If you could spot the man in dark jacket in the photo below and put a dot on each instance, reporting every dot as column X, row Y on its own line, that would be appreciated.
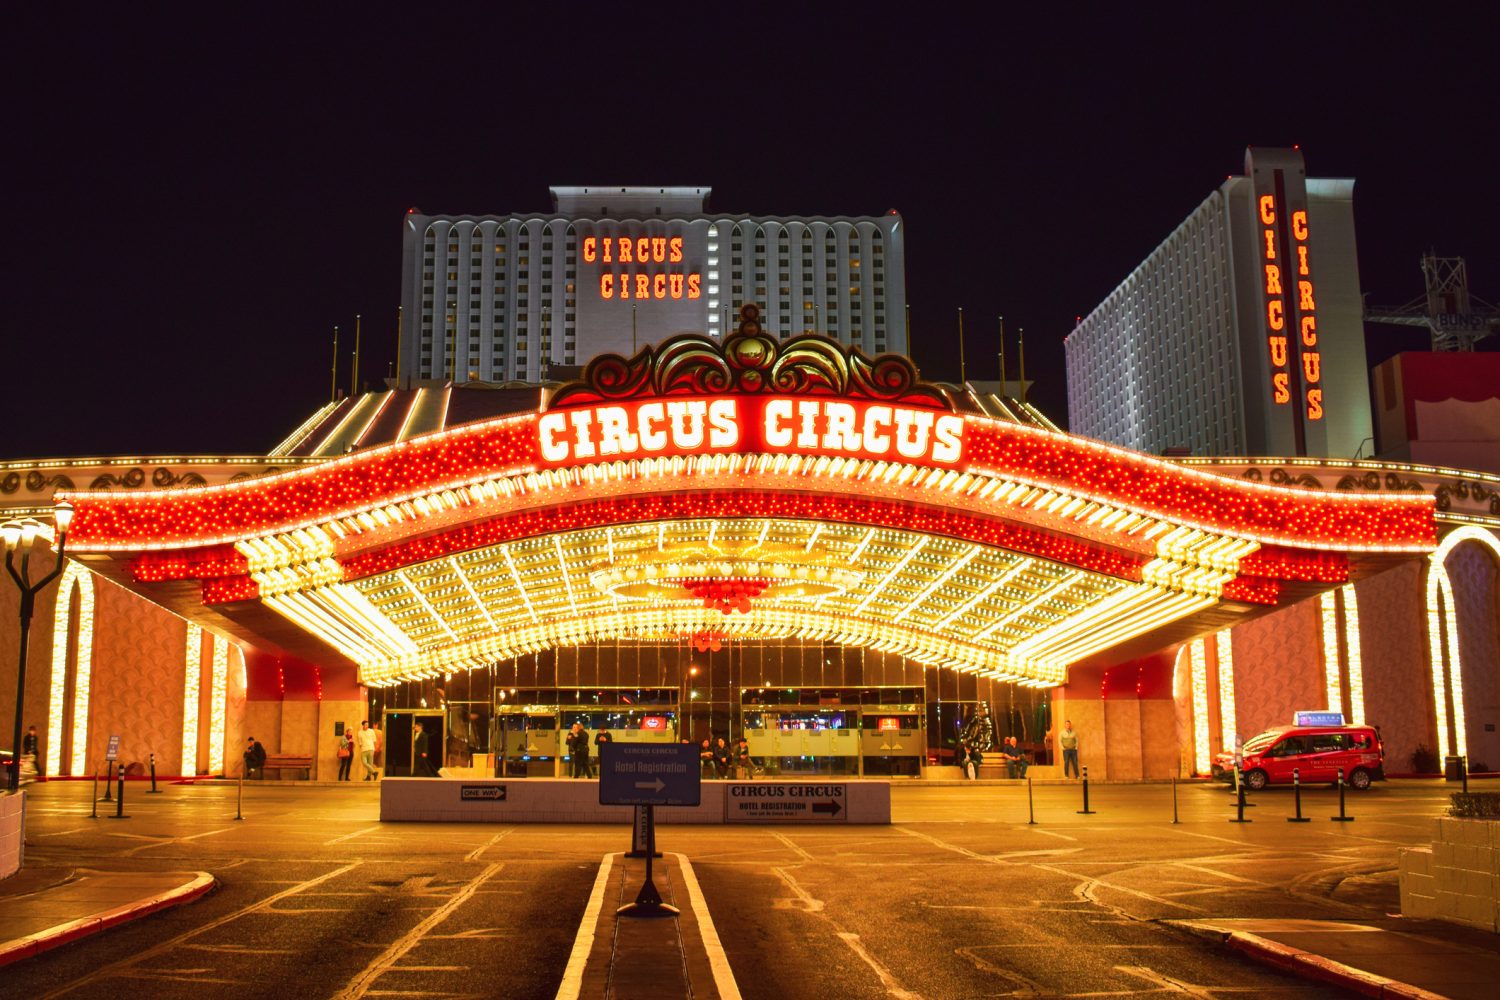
column 421, row 759
column 255, row 757
column 578, row 750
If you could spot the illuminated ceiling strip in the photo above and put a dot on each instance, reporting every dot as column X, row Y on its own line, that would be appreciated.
column 447, row 391
column 1228, row 716
column 1067, row 580
column 385, row 401
column 1022, row 564
column 303, row 430
column 520, row 587
column 411, row 410
column 422, row 600
column 812, row 539
column 1356, row 658
column 900, row 565
column 609, row 538
column 760, row 622
column 192, row 684
column 766, row 530
column 859, row 549
column 940, row 579
column 1127, row 601
column 338, row 428
column 464, row 579
column 1328, row 619
column 1169, row 608
column 562, row 565
column 73, row 575
column 712, row 531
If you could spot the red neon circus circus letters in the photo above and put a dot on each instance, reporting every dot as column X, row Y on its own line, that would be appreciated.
column 666, row 428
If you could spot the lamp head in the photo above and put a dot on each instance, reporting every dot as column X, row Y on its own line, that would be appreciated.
column 62, row 516
column 30, row 528
column 11, row 531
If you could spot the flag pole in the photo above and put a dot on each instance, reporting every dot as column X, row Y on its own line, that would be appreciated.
column 963, row 372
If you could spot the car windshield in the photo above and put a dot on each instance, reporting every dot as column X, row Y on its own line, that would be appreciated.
column 1255, row 744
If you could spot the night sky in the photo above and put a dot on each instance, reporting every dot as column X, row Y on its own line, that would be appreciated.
column 196, row 201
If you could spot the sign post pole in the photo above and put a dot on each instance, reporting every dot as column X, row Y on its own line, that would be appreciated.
column 646, row 775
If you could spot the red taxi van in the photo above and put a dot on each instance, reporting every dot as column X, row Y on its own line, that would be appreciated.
column 1316, row 752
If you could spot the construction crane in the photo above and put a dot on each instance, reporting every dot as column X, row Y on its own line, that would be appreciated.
column 1456, row 318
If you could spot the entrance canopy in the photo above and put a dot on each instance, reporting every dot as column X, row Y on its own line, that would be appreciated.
column 758, row 488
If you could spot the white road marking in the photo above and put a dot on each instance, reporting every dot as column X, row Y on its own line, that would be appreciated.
column 476, row 852
column 718, row 961
column 361, row 984
column 349, row 836
column 892, row 987
column 583, row 941
column 788, row 842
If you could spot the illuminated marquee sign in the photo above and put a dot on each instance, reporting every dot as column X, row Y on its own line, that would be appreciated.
column 1291, row 321
column 641, row 267
column 750, row 424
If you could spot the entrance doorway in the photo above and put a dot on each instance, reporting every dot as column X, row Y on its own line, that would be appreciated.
column 401, row 736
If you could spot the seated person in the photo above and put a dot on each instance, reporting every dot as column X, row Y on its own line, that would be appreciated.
column 1015, row 761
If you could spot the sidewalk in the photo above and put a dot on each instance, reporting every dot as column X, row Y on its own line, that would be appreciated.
column 1393, row 957
column 48, row 907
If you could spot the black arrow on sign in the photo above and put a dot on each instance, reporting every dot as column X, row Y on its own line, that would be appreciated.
column 831, row 808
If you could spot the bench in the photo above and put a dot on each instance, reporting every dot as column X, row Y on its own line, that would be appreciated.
column 285, row 762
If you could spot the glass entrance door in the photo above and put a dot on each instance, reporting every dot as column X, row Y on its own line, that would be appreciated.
column 804, row 739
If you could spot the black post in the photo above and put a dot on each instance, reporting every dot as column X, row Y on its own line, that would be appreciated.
column 639, row 835
column 239, row 802
column 1174, row 800
column 1341, row 817
column 154, row 789
column 1463, row 772
column 109, row 780
column 1297, row 796
column 120, row 798
column 1239, row 798
column 94, row 795
column 1085, row 811
column 1030, row 804
column 648, row 901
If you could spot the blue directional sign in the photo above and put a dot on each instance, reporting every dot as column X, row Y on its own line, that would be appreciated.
column 649, row 774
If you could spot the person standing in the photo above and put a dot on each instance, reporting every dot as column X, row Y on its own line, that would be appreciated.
column 367, row 743
column 30, row 747
column 601, row 738
column 421, row 759
column 578, row 750
column 1068, row 741
column 346, row 752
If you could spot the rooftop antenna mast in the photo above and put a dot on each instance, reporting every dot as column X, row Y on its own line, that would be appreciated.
column 963, row 372
column 1002, row 355
column 333, row 385
column 354, row 375
column 1455, row 318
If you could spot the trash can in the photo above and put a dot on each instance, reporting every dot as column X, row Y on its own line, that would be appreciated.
column 1453, row 768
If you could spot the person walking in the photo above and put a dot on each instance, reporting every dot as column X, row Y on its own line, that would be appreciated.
column 367, row 744
column 31, row 747
column 346, row 752
column 421, row 760
column 578, row 750
column 1068, row 741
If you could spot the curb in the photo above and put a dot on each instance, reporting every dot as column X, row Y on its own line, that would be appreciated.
column 55, row 937
column 1310, row 966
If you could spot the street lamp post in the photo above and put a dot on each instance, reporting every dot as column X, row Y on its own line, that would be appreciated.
column 684, row 702
column 21, row 534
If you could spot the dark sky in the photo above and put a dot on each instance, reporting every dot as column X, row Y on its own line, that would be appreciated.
column 196, row 200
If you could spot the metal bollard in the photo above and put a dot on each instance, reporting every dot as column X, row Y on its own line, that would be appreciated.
column 109, row 780
column 120, row 797
column 1463, row 772
column 1174, row 800
column 154, row 789
column 1341, row 817
column 1030, row 805
column 94, row 796
column 1085, row 811
column 1239, row 798
column 1297, row 795
column 239, row 803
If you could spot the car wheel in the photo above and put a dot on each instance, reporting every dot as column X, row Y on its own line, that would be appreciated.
column 1256, row 780
column 1359, row 779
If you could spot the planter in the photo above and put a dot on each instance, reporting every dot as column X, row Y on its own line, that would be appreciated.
column 1458, row 877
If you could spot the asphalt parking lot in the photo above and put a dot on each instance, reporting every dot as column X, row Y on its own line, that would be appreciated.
column 959, row 897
